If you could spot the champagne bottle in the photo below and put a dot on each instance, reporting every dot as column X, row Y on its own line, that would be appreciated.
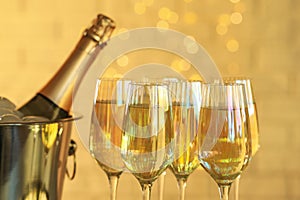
column 54, row 100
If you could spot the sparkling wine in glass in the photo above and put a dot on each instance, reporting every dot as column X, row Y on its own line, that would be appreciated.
column 186, row 97
column 147, row 139
column 161, row 179
column 225, row 145
column 253, row 119
column 106, row 128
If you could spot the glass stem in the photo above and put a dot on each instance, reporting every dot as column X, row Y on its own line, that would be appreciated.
column 113, row 184
column 146, row 189
column 161, row 182
column 181, row 185
column 236, row 188
column 224, row 191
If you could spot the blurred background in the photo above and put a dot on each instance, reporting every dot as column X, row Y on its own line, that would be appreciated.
column 258, row 39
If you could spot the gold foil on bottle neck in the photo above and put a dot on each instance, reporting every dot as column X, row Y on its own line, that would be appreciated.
column 101, row 29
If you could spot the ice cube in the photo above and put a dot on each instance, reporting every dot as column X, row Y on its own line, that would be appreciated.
column 9, row 118
column 20, row 114
column 9, row 114
column 4, row 111
column 6, row 103
column 32, row 118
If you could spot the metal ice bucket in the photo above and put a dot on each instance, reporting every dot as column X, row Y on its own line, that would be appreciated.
column 33, row 159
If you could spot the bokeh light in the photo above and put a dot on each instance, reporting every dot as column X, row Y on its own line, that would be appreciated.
column 164, row 13
column 224, row 19
column 110, row 72
column 191, row 45
column 181, row 65
column 232, row 45
column 173, row 18
column 221, row 29
column 236, row 18
column 168, row 15
column 123, row 61
column 162, row 24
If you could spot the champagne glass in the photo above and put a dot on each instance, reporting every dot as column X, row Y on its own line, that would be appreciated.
column 147, row 139
column 186, row 106
column 161, row 178
column 252, row 109
column 106, row 126
column 253, row 119
column 225, row 146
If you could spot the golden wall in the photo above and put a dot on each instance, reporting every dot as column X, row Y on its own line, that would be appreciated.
column 259, row 39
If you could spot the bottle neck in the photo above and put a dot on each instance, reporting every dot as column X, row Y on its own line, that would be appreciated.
column 61, row 88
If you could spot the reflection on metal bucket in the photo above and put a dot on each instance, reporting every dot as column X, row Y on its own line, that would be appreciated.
column 33, row 159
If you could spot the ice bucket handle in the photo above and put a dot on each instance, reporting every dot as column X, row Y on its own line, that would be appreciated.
column 72, row 152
